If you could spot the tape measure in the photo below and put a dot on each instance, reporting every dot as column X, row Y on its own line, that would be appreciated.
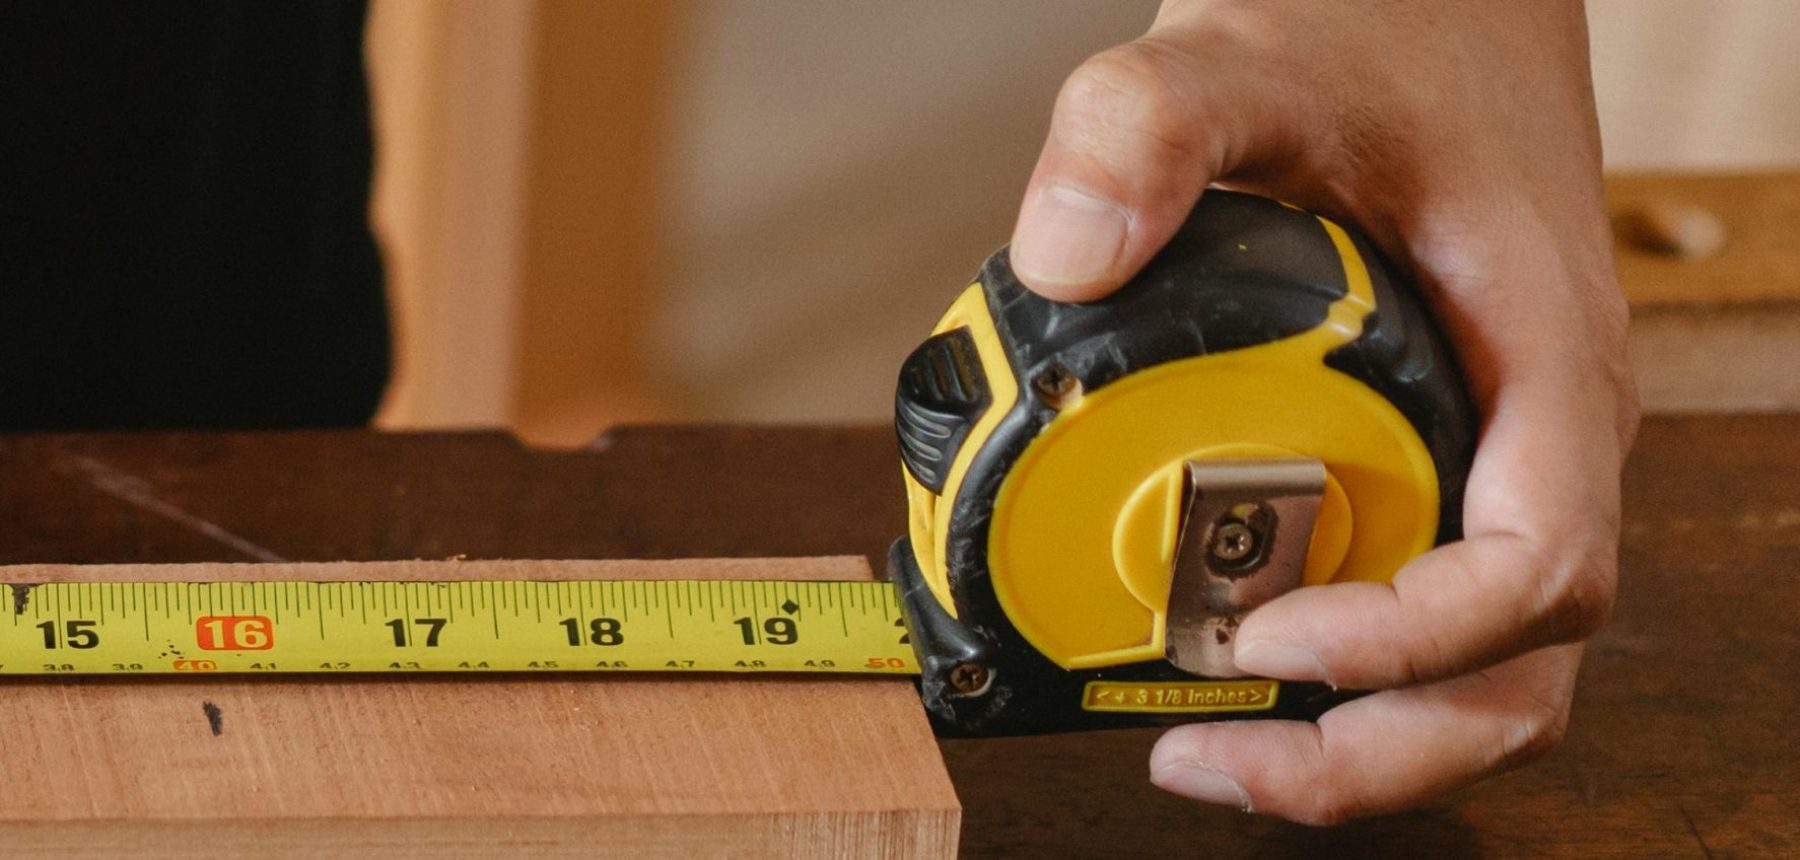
column 122, row 628
column 1100, row 492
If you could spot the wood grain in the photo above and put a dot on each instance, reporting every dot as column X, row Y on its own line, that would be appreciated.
column 673, row 766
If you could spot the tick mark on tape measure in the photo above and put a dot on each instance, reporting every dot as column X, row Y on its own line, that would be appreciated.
column 215, row 718
column 21, row 592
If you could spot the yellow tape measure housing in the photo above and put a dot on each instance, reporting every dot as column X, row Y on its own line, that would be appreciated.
column 121, row 628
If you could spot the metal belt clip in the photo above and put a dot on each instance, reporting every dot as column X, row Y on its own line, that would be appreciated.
column 1246, row 526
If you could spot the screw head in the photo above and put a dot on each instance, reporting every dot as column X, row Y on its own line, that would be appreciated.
column 969, row 678
column 1057, row 386
column 1233, row 542
column 1054, row 381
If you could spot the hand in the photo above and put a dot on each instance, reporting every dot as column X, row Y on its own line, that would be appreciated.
column 1461, row 137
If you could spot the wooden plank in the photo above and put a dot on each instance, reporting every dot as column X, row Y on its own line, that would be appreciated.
column 638, row 766
column 1760, row 261
column 1716, row 334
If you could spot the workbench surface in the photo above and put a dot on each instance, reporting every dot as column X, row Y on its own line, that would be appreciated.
column 1685, row 740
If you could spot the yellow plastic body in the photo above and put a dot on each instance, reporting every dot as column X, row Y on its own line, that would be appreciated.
column 1084, row 523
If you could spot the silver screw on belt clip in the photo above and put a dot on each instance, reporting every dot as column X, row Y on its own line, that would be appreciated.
column 1245, row 528
column 1232, row 542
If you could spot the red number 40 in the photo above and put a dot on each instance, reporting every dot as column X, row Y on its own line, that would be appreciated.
column 235, row 633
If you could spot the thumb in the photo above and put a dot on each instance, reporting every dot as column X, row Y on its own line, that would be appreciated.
column 1137, row 134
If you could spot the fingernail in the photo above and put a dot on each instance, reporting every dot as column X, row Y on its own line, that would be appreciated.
column 1069, row 238
column 1203, row 784
column 1279, row 660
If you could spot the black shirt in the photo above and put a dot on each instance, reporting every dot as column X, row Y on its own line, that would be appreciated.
column 184, row 238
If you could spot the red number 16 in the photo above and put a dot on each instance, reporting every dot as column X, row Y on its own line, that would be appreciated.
column 235, row 633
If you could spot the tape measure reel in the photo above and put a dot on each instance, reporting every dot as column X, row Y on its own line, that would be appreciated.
column 1056, row 456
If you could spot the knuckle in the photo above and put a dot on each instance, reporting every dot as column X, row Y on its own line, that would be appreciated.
column 1631, row 415
column 1576, row 596
column 1607, row 306
column 1434, row 658
column 1329, row 809
column 1127, row 95
column 1614, row 354
column 1431, row 651
column 1406, row 668
column 1534, row 735
column 1609, row 319
column 1334, row 796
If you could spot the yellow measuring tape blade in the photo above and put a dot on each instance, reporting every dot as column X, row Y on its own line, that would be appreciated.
column 122, row 628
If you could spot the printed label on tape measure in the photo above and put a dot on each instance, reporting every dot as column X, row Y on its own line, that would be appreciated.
column 1180, row 697
column 470, row 626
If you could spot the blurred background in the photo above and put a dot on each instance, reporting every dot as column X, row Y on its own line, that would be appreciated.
column 598, row 211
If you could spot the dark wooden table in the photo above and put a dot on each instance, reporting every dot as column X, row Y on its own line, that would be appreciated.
column 1686, row 734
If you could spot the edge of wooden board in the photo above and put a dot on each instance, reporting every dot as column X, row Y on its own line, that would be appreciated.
column 801, row 569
